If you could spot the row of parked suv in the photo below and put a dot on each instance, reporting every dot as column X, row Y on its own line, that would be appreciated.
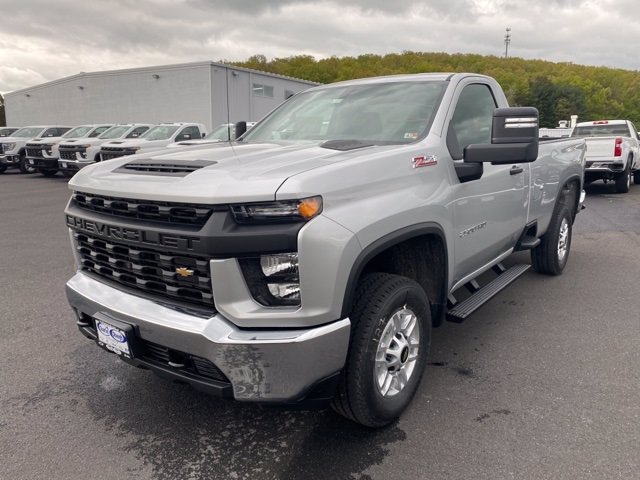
column 51, row 148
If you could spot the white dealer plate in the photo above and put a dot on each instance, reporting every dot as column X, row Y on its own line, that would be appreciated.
column 63, row 164
column 112, row 338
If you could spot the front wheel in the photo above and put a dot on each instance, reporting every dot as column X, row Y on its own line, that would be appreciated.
column 3, row 168
column 551, row 255
column 390, row 338
column 24, row 165
column 636, row 177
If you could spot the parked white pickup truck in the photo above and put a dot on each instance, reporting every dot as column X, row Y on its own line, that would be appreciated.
column 42, row 153
column 78, row 153
column 612, row 152
column 154, row 139
column 12, row 148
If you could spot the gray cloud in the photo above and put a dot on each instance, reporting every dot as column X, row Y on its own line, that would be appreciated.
column 44, row 40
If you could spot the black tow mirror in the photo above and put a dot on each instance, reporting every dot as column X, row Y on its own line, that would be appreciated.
column 514, row 138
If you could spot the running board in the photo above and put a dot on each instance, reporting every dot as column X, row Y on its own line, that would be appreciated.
column 460, row 311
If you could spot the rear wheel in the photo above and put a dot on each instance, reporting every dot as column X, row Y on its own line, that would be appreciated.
column 623, row 180
column 390, row 337
column 24, row 165
column 551, row 255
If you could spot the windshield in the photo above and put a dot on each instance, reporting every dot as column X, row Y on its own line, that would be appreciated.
column 5, row 132
column 28, row 132
column 77, row 132
column 222, row 133
column 159, row 132
column 601, row 130
column 381, row 113
column 115, row 132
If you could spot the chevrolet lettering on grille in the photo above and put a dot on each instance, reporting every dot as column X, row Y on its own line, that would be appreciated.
column 132, row 235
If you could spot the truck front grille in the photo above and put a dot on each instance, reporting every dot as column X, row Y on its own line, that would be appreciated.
column 33, row 152
column 165, row 212
column 181, row 277
column 107, row 153
column 70, row 154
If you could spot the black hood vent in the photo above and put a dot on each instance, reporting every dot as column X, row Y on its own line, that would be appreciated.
column 170, row 168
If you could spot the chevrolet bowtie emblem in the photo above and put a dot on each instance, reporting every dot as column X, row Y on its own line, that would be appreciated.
column 184, row 272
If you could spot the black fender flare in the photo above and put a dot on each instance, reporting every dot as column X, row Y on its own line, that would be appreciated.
column 385, row 242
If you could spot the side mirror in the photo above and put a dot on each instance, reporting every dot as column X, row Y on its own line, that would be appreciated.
column 203, row 135
column 240, row 128
column 514, row 138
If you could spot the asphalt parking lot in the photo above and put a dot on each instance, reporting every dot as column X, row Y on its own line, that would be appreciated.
column 542, row 383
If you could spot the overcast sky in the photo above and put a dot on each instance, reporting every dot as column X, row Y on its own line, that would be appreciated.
column 42, row 40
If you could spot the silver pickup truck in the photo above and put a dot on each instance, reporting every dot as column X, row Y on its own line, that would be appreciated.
column 308, row 261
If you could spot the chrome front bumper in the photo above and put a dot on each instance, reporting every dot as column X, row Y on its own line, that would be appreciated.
column 278, row 366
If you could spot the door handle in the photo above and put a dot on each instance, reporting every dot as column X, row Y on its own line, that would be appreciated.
column 515, row 170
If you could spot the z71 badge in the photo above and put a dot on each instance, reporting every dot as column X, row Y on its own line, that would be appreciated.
column 423, row 161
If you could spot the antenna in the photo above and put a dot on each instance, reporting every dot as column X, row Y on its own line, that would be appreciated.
column 507, row 41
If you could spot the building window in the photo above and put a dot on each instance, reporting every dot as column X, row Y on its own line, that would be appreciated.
column 262, row 90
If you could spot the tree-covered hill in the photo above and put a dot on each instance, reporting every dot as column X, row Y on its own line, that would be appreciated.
column 558, row 90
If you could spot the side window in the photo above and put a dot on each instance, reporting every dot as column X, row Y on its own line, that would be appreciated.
column 136, row 132
column 472, row 118
column 189, row 133
column 634, row 132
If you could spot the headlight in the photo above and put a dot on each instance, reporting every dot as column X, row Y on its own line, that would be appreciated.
column 278, row 212
column 9, row 146
column 273, row 280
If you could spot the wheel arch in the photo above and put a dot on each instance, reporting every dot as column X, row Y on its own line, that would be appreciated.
column 569, row 194
column 418, row 252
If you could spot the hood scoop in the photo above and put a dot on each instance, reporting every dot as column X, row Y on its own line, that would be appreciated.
column 167, row 168
column 346, row 145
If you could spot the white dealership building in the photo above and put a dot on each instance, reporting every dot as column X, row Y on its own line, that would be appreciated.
column 204, row 92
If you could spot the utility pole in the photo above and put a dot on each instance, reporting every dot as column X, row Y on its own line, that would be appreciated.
column 507, row 41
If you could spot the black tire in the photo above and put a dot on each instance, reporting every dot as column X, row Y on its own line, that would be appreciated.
column 636, row 177
column 623, row 180
column 378, row 297
column 3, row 168
column 24, row 165
column 546, row 257
column 48, row 173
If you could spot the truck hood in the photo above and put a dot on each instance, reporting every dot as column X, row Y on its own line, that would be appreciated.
column 222, row 173
column 14, row 139
column 81, row 141
column 138, row 142
column 46, row 140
